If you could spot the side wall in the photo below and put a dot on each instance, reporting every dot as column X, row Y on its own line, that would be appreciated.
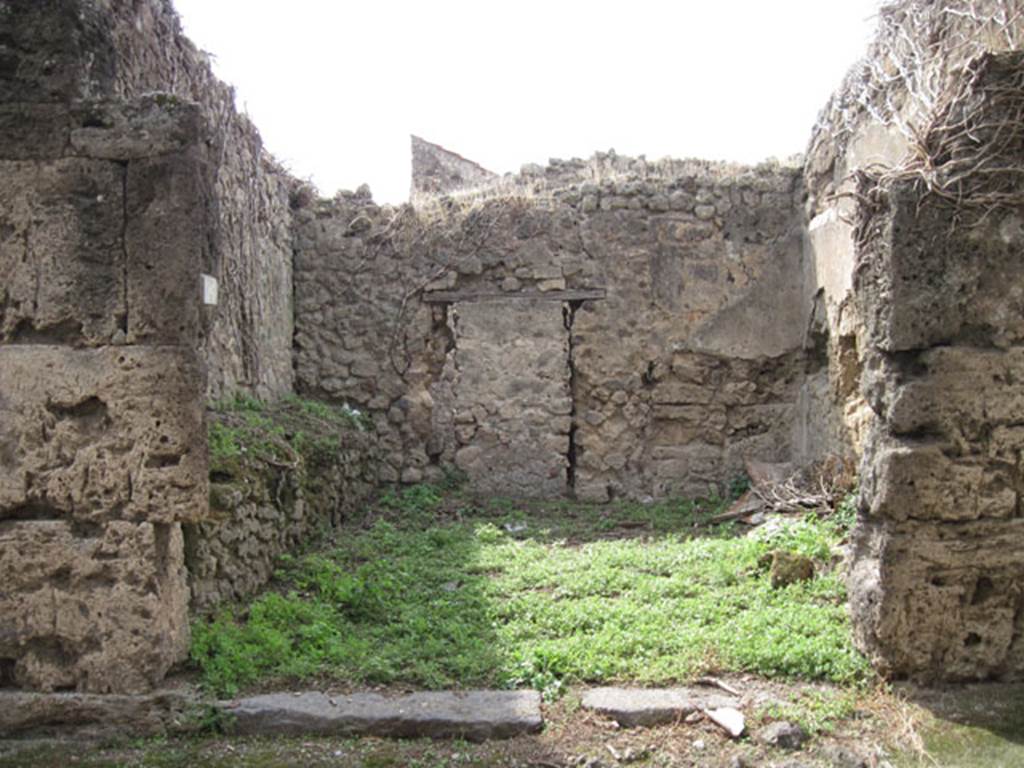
column 919, row 286
column 128, row 176
column 101, row 425
column 247, row 343
column 636, row 336
column 262, row 507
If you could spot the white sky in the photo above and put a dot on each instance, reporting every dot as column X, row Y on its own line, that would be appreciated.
column 337, row 86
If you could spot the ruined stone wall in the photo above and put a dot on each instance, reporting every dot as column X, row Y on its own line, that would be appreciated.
column 248, row 344
column 128, row 175
column 435, row 170
column 70, row 51
column 295, row 480
column 627, row 334
column 102, row 445
column 134, row 47
column 918, row 282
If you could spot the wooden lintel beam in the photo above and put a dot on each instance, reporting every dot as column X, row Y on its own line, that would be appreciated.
column 451, row 297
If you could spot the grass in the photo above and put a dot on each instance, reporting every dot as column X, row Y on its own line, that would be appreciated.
column 293, row 433
column 434, row 591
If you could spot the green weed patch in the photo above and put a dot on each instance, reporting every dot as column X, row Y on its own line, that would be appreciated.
column 435, row 591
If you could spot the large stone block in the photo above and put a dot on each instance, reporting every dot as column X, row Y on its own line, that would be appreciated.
column 920, row 282
column 920, row 482
column 166, row 236
column 939, row 600
column 93, row 435
column 61, row 252
column 33, row 131
column 154, row 124
column 960, row 393
column 53, row 50
column 101, row 609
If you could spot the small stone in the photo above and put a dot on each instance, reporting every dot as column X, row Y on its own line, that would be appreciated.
column 551, row 285
column 728, row 719
column 658, row 203
column 364, row 369
column 782, row 734
column 678, row 200
column 547, row 272
column 360, row 223
column 704, row 212
column 444, row 283
column 789, row 568
column 510, row 284
column 470, row 265
column 698, row 744
column 843, row 757
column 412, row 475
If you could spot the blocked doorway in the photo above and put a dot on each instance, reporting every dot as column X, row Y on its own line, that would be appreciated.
column 512, row 395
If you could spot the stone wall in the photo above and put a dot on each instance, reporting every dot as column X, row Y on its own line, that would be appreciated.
column 435, row 171
column 60, row 55
column 300, row 473
column 603, row 328
column 102, row 446
column 919, row 282
column 637, row 331
column 128, row 176
column 247, row 339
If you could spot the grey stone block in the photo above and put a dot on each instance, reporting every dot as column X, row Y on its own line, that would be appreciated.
column 632, row 707
column 473, row 715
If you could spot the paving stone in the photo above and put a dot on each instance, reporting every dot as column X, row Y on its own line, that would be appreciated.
column 472, row 715
column 632, row 707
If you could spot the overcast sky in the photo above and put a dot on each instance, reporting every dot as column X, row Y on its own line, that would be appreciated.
column 337, row 87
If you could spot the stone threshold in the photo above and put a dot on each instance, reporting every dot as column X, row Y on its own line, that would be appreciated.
column 644, row 707
column 475, row 715
column 94, row 716
column 471, row 715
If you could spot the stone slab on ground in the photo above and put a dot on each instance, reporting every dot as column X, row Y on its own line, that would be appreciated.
column 472, row 715
column 632, row 707
column 86, row 715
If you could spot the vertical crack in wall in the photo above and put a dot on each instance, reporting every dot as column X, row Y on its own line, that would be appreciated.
column 568, row 317
column 442, row 354
column 124, row 248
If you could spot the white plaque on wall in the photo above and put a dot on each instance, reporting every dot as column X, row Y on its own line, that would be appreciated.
column 209, row 290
